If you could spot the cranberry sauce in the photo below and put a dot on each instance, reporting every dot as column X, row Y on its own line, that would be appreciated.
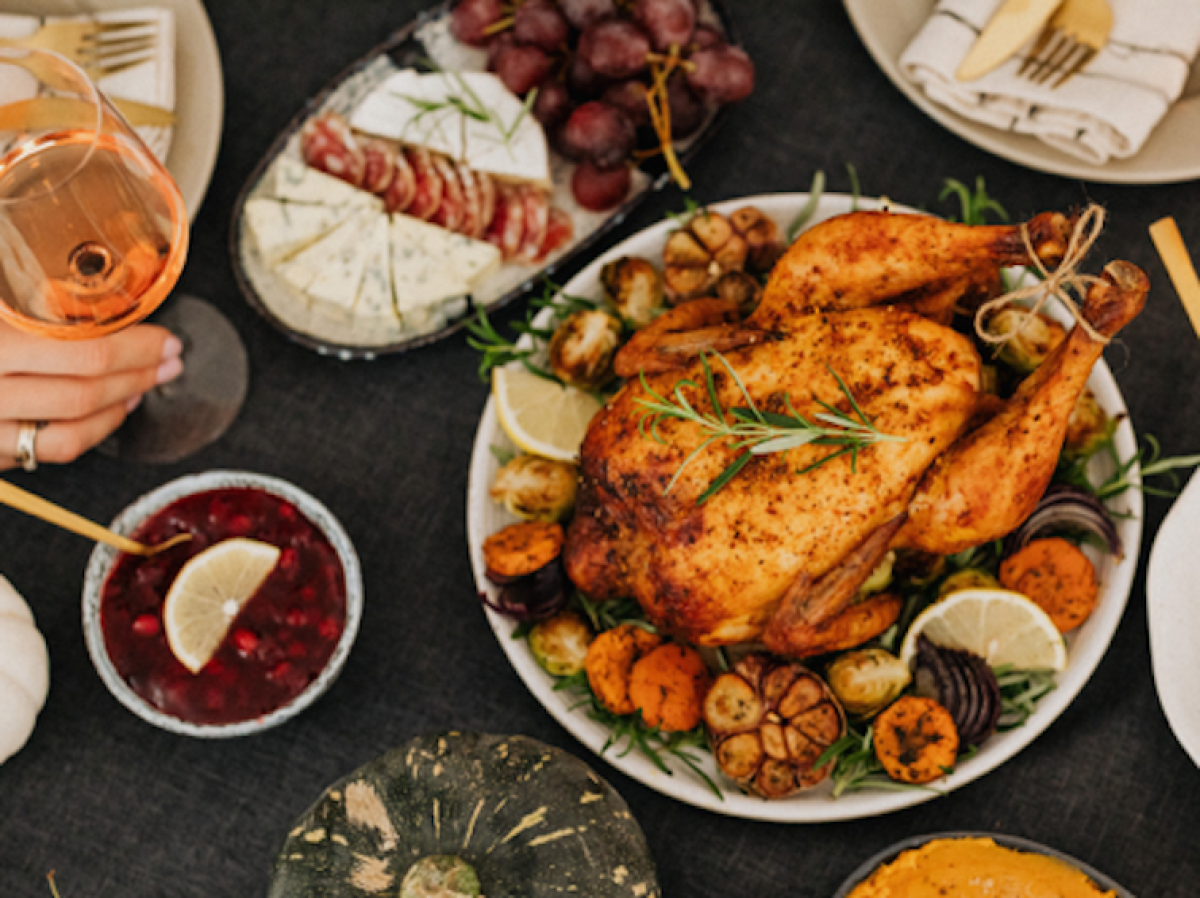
column 276, row 646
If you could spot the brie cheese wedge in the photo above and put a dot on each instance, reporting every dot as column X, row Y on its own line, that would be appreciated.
column 425, row 109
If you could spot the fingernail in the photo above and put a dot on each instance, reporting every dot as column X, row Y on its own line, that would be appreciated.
column 132, row 403
column 169, row 370
column 172, row 348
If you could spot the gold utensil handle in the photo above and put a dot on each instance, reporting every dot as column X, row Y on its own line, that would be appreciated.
column 68, row 520
column 1169, row 243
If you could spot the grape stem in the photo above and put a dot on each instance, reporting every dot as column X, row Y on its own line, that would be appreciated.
column 661, row 68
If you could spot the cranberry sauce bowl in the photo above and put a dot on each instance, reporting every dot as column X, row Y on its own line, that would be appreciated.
column 285, row 647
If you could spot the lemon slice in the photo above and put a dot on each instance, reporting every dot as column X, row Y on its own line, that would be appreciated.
column 542, row 417
column 209, row 592
column 1001, row 626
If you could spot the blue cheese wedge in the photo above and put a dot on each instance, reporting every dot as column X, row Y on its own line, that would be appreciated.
column 280, row 229
column 337, row 283
column 467, row 260
column 296, row 182
column 500, row 137
column 419, row 279
column 306, row 266
column 375, row 306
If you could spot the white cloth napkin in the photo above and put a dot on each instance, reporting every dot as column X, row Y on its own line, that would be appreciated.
column 152, row 81
column 1105, row 111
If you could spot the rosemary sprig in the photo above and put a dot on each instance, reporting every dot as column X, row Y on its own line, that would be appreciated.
column 498, row 350
column 974, row 206
column 1020, row 691
column 755, row 432
column 815, row 190
column 468, row 104
column 856, row 767
column 630, row 732
column 1149, row 457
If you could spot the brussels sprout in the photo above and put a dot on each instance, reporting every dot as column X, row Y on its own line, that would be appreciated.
column 537, row 489
column 967, row 578
column 1033, row 337
column 1088, row 428
column 866, row 681
column 881, row 577
column 635, row 289
column 583, row 347
column 560, row 643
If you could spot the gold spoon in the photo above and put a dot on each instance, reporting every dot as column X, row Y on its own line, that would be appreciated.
column 68, row 520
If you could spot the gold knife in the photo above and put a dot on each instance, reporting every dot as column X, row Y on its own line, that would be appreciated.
column 45, row 111
column 1013, row 25
column 143, row 114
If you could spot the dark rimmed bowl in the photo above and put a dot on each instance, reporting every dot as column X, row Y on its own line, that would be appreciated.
column 890, row 853
column 103, row 558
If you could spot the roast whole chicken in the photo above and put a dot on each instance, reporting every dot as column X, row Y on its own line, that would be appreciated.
column 778, row 554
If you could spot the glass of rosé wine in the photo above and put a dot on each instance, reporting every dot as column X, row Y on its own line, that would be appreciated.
column 93, row 230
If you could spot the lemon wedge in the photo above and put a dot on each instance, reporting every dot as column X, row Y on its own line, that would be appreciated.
column 1002, row 627
column 209, row 592
column 542, row 417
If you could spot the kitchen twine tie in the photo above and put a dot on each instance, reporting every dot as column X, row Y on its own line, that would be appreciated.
column 1054, row 283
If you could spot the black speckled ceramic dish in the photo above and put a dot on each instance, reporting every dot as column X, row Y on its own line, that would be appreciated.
column 427, row 37
column 892, row 852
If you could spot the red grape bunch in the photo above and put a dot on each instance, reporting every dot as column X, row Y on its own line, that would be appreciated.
column 615, row 80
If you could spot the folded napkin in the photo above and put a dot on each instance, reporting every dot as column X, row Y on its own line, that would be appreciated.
column 152, row 81
column 1105, row 111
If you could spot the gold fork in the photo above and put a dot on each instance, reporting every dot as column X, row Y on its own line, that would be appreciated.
column 1076, row 33
column 99, row 48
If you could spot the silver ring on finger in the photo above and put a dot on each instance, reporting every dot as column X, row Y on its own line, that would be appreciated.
column 27, row 444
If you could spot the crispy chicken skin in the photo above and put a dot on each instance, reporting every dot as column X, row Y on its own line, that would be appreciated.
column 867, row 258
column 779, row 553
column 713, row 573
column 958, row 505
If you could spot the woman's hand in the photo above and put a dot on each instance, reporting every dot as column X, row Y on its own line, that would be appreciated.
column 81, row 389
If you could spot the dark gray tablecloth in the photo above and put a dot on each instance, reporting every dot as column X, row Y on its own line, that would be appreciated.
column 119, row 808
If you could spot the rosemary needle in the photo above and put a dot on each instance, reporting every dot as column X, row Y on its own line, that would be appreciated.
column 754, row 431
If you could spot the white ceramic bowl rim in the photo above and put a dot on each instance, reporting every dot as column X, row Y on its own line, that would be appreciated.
column 103, row 558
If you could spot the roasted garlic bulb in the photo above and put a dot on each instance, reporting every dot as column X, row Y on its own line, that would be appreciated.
column 769, row 721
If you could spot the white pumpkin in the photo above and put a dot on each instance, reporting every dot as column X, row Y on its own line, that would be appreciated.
column 24, row 671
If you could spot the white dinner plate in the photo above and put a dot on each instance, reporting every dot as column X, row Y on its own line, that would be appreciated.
column 1086, row 645
column 1175, row 617
column 886, row 28
column 199, row 87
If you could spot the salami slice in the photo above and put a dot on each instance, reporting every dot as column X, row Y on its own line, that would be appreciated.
column 379, row 165
column 429, row 184
column 559, row 230
column 537, row 216
column 487, row 201
column 328, row 145
column 449, row 212
column 507, row 230
column 403, row 189
column 471, row 223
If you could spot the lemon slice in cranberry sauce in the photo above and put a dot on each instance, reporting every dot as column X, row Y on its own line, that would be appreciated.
column 209, row 592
